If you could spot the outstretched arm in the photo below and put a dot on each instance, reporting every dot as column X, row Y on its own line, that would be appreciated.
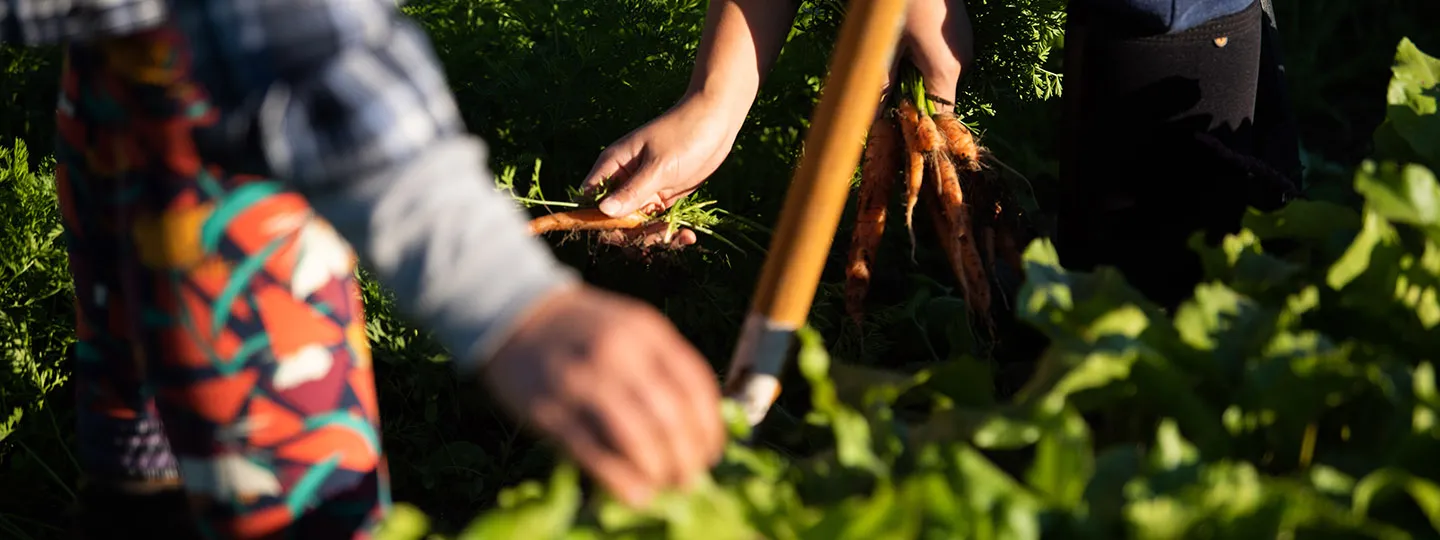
column 938, row 40
column 741, row 41
column 743, row 38
column 670, row 156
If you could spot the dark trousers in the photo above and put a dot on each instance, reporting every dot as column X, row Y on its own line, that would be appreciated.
column 1175, row 122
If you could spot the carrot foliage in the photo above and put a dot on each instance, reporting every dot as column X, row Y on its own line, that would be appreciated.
column 1294, row 395
column 1291, row 394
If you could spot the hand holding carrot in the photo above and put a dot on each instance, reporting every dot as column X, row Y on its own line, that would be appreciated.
column 617, row 386
column 670, row 156
column 662, row 161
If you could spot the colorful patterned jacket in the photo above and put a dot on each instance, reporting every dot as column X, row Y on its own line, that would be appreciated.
column 345, row 101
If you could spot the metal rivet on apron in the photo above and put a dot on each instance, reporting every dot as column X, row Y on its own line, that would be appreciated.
column 1222, row 41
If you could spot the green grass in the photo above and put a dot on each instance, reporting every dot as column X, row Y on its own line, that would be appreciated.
column 553, row 83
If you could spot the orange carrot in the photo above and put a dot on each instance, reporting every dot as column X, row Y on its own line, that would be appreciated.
column 930, row 139
column 948, row 236
column 585, row 219
column 944, row 230
column 959, row 141
column 915, row 165
column 947, row 184
column 959, row 242
column 951, row 205
column 877, row 178
column 977, row 284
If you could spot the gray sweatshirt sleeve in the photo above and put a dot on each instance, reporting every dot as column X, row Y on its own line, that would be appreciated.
column 345, row 101
column 456, row 252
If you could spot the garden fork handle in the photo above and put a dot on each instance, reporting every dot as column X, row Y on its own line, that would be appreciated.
column 815, row 201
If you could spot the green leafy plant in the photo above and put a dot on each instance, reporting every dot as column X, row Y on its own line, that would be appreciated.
column 35, row 331
column 557, row 81
column 1293, row 395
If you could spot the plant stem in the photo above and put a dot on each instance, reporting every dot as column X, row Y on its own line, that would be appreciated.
column 1307, row 445
column 913, row 83
column 12, row 518
column 58, row 437
column 49, row 471
column 527, row 200
column 4, row 520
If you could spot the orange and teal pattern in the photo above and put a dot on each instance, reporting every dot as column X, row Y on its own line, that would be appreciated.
column 221, row 332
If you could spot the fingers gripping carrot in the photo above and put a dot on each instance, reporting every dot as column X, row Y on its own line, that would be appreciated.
column 877, row 178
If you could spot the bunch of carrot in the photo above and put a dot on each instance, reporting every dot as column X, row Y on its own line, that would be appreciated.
column 941, row 161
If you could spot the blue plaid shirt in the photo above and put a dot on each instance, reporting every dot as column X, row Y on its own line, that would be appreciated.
column 345, row 100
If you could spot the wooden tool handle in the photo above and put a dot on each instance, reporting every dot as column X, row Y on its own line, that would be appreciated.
column 816, row 199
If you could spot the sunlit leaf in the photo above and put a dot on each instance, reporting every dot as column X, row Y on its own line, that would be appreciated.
column 548, row 516
column 1414, row 99
column 1424, row 492
column 1063, row 460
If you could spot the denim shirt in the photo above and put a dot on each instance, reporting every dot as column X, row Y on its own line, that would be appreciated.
column 1169, row 16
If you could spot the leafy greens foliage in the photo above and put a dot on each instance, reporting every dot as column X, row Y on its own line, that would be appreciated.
column 1291, row 392
column 1293, row 395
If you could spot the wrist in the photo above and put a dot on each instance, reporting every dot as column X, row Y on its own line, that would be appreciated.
column 729, row 106
column 540, row 308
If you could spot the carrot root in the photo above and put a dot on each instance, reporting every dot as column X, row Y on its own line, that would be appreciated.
column 930, row 139
column 910, row 116
column 585, row 219
column 877, row 178
column 959, row 141
column 942, row 160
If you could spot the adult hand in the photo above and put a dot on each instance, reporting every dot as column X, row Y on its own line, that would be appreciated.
column 617, row 386
column 662, row 161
